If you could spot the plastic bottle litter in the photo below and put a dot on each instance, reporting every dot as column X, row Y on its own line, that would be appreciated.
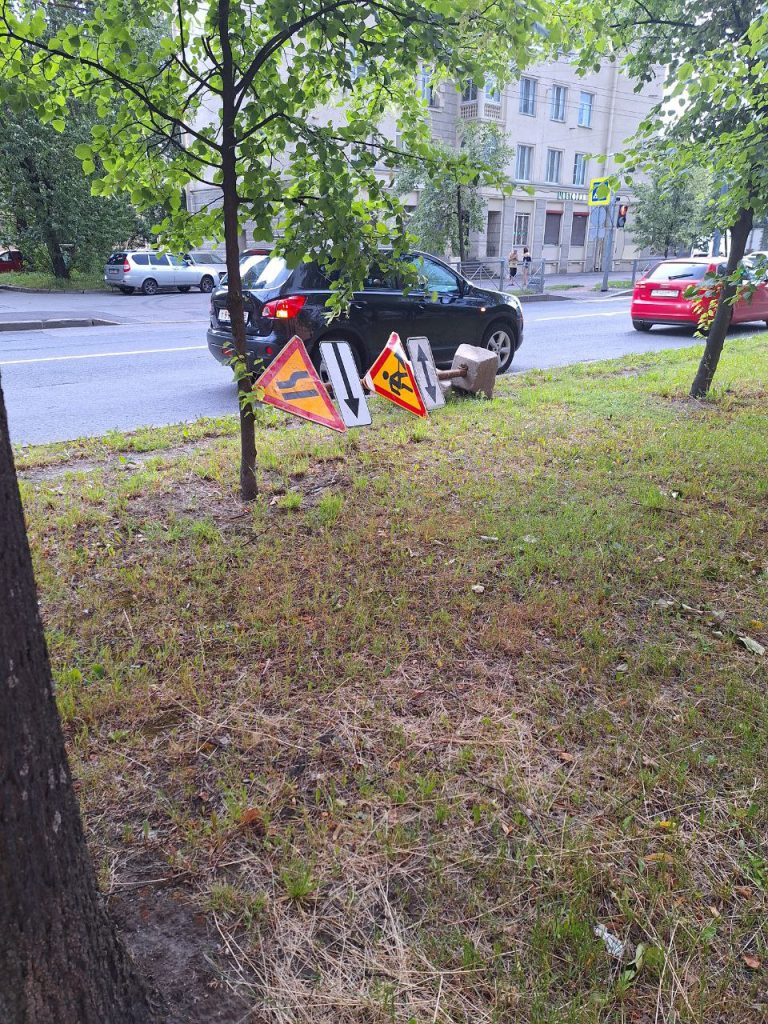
column 613, row 945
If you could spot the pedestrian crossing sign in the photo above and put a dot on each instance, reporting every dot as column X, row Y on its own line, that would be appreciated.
column 599, row 192
column 392, row 377
column 291, row 383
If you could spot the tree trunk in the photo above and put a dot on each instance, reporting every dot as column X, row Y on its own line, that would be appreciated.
column 40, row 190
column 248, row 484
column 717, row 332
column 56, row 256
column 60, row 959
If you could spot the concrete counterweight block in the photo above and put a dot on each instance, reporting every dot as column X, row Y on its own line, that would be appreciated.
column 481, row 369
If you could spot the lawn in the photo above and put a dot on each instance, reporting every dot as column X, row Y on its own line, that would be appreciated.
column 39, row 281
column 450, row 696
column 623, row 284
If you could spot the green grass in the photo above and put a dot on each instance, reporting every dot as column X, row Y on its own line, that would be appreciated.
column 402, row 797
column 78, row 282
column 627, row 283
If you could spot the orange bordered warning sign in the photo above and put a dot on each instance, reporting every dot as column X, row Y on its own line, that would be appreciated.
column 392, row 377
column 291, row 383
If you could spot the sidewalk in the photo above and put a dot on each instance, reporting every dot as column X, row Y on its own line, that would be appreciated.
column 576, row 286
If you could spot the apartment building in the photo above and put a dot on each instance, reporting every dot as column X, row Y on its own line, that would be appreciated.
column 559, row 124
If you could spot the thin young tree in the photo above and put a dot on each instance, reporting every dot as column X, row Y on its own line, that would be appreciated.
column 714, row 113
column 231, row 96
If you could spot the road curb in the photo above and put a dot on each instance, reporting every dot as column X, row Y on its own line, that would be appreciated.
column 47, row 325
column 54, row 291
column 544, row 297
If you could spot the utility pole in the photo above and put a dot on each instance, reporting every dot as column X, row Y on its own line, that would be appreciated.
column 608, row 245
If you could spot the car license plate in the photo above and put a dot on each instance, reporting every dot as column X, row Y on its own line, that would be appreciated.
column 225, row 318
column 664, row 293
column 113, row 270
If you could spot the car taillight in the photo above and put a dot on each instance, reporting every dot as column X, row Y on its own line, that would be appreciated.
column 126, row 266
column 284, row 309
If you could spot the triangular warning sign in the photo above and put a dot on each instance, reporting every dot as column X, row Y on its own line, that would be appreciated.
column 291, row 383
column 392, row 377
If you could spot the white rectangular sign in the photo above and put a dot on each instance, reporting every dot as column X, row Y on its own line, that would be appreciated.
column 345, row 378
column 423, row 363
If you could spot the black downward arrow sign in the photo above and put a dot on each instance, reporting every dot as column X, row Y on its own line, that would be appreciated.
column 431, row 389
column 353, row 404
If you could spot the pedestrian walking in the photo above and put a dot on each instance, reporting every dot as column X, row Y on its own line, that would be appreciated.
column 512, row 260
column 526, row 265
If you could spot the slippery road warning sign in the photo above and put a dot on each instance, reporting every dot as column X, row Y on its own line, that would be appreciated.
column 391, row 376
column 291, row 383
column 423, row 363
column 345, row 377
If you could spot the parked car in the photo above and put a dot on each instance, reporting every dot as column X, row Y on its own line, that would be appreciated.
column 204, row 259
column 658, row 298
column 258, row 250
column 448, row 309
column 10, row 259
column 757, row 261
column 150, row 271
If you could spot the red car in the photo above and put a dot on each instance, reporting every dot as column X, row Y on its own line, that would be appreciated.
column 10, row 259
column 659, row 299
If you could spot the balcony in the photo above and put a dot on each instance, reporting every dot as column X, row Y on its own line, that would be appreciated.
column 480, row 110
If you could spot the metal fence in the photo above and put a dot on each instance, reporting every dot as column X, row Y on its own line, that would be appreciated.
column 493, row 273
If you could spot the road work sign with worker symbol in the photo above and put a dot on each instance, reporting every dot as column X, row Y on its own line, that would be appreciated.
column 392, row 377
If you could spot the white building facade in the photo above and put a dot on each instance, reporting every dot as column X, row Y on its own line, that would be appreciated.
column 559, row 124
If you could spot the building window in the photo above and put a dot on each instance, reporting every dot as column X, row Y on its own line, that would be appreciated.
column 522, row 228
column 579, row 169
column 491, row 89
column 579, row 229
column 426, row 91
column 523, row 163
column 469, row 95
column 557, row 106
column 585, row 109
column 528, row 96
column 493, row 233
column 554, row 159
column 552, row 229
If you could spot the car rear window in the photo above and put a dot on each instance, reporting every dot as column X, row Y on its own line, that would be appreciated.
column 269, row 272
column 679, row 272
column 116, row 257
column 141, row 259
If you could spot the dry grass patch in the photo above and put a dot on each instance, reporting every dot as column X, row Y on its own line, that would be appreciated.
column 447, row 697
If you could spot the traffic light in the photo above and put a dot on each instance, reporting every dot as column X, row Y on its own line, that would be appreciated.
column 621, row 218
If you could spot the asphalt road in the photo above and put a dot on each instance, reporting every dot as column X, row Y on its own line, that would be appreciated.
column 153, row 368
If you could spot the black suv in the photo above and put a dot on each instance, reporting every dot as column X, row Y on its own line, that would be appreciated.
column 445, row 307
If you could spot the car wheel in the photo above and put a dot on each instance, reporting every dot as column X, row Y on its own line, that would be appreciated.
column 184, row 288
column 150, row 286
column 499, row 338
column 319, row 363
column 206, row 285
column 126, row 289
column 641, row 325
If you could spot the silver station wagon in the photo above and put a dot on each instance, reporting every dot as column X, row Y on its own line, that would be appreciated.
column 148, row 272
